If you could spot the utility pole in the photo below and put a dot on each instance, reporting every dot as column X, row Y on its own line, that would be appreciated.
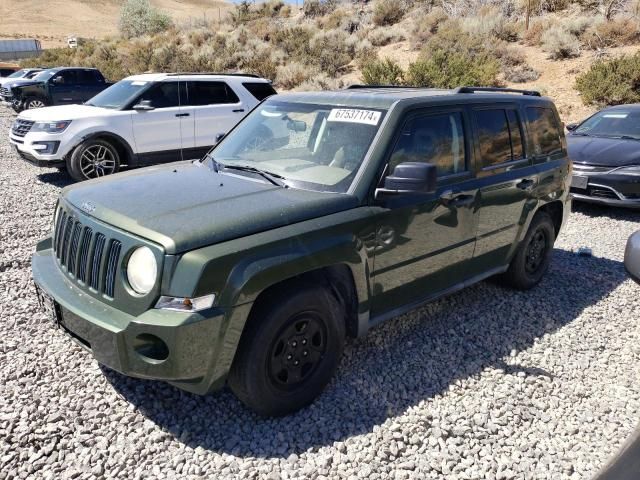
column 526, row 26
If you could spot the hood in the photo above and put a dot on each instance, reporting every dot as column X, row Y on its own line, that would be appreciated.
column 64, row 112
column 21, row 82
column 183, row 206
column 605, row 152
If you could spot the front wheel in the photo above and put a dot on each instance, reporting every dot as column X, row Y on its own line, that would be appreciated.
column 533, row 256
column 289, row 351
column 92, row 159
column 34, row 102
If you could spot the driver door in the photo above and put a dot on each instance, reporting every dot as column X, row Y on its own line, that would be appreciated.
column 63, row 87
column 158, row 131
column 425, row 241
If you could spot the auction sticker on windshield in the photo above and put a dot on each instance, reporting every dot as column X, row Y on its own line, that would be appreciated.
column 351, row 115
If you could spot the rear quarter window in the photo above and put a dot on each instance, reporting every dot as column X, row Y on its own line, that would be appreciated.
column 545, row 131
column 210, row 93
column 260, row 90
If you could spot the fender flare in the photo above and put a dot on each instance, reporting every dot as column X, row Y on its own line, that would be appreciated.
column 131, row 156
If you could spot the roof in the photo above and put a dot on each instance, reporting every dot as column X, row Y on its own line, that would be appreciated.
column 157, row 77
column 385, row 97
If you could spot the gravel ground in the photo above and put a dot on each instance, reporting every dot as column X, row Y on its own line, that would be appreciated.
column 486, row 384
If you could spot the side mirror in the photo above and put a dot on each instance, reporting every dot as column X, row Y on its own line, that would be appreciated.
column 571, row 126
column 143, row 106
column 411, row 177
column 219, row 137
column 57, row 80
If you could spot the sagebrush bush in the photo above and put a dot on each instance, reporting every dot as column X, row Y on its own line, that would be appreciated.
column 293, row 74
column 533, row 36
column 318, row 8
column 330, row 51
column 320, row 81
column 491, row 22
column 613, row 33
column 521, row 74
column 139, row 17
column 611, row 82
column 559, row 43
column 388, row 12
column 426, row 24
column 382, row 72
column 386, row 35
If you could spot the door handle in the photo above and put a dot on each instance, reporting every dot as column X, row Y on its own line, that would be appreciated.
column 450, row 199
column 238, row 110
column 182, row 114
column 526, row 184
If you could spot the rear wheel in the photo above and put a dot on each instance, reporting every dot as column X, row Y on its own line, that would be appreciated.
column 533, row 256
column 289, row 351
column 34, row 102
column 92, row 159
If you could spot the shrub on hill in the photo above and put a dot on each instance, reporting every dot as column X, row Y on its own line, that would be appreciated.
column 388, row 12
column 139, row 17
column 382, row 72
column 611, row 82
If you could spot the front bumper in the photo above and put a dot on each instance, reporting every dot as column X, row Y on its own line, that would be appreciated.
column 610, row 189
column 26, row 148
column 125, row 343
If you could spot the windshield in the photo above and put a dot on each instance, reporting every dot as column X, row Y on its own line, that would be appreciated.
column 44, row 75
column 18, row 74
column 316, row 147
column 612, row 123
column 119, row 94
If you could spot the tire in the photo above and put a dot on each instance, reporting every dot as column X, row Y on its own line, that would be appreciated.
column 93, row 158
column 264, row 374
column 34, row 102
column 533, row 256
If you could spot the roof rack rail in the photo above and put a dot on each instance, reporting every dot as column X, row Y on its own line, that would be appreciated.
column 357, row 86
column 531, row 93
column 237, row 74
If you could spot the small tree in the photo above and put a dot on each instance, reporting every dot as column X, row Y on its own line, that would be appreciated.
column 138, row 17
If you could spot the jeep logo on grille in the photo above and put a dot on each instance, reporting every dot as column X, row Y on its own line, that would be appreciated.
column 87, row 207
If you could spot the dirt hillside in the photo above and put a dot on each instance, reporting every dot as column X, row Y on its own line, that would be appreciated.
column 51, row 21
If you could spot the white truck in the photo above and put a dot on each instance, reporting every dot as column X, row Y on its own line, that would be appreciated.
column 141, row 120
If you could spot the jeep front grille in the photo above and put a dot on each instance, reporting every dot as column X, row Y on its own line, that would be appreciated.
column 4, row 92
column 91, row 258
column 21, row 127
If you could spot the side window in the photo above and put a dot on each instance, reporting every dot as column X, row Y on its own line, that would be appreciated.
column 436, row 139
column 162, row 95
column 493, row 133
column 210, row 93
column 66, row 77
column 545, row 131
column 260, row 90
column 87, row 77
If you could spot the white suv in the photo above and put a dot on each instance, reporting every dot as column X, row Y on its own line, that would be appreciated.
column 141, row 120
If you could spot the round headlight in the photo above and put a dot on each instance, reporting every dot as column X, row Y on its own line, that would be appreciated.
column 142, row 270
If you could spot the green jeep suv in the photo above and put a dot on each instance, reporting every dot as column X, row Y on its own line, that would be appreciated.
column 316, row 218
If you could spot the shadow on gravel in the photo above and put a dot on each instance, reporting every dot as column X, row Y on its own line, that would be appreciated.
column 614, row 213
column 58, row 178
column 403, row 362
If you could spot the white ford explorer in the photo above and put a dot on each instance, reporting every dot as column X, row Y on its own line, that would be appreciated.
column 141, row 120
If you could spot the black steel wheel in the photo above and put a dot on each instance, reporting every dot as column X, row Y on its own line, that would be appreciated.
column 289, row 350
column 531, row 260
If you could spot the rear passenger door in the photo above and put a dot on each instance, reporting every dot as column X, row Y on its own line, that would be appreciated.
column 90, row 82
column 213, row 108
column 506, row 179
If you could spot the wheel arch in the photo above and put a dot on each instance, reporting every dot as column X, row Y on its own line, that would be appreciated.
column 555, row 210
column 121, row 145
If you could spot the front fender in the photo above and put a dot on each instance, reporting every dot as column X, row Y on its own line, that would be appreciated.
column 239, row 270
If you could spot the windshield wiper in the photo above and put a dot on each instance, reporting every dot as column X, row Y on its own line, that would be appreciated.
column 627, row 137
column 272, row 177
